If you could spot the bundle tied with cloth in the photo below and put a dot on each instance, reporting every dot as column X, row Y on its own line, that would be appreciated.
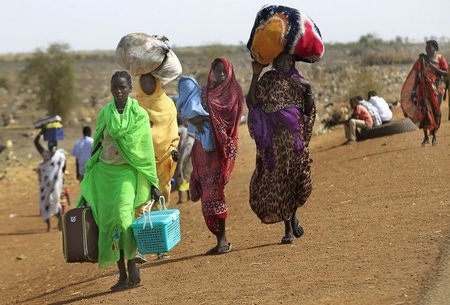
column 279, row 29
column 140, row 53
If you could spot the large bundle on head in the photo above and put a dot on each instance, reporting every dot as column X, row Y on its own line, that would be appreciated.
column 141, row 53
column 280, row 29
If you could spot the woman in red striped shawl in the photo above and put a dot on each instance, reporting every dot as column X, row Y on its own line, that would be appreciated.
column 222, row 98
column 428, row 89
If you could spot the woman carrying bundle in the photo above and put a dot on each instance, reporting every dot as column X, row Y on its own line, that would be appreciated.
column 281, row 118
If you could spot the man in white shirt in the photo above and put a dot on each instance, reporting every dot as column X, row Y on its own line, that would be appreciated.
column 382, row 106
column 82, row 150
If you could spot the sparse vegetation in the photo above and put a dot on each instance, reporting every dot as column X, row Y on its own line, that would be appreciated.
column 345, row 70
column 4, row 83
column 53, row 71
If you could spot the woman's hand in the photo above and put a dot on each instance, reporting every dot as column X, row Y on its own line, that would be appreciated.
column 198, row 122
column 414, row 97
column 257, row 67
column 174, row 155
column 155, row 193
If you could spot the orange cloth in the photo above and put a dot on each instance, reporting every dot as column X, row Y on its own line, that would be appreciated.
column 364, row 115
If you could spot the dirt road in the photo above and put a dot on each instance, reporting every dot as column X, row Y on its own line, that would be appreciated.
column 377, row 225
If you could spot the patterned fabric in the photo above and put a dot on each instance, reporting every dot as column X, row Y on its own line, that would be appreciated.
column 262, row 125
column 276, row 192
column 109, row 153
column 207, row 184
column 373, row 112
column 211, row 170
column 429, row 91
column 279, row 28
column 114, row 190
column 224, row 104
column 50, row 173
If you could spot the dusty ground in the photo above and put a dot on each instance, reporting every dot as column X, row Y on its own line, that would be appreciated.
column 376, row 225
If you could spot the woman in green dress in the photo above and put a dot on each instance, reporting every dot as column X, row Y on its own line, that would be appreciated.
column 120, row 176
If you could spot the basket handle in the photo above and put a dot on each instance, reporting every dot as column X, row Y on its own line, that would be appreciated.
column 147, row 209
column 162, row 203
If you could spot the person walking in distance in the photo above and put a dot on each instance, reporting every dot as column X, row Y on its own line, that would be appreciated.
column 82, row 151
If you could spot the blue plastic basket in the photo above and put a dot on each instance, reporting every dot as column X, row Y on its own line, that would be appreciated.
column 160, row 234
column 54, row 134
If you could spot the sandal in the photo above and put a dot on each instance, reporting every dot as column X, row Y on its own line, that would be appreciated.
column 162, row 256
column 212, row 251
column 224, row 249
column 287, row 240
column 140, row 258
column 297, row 229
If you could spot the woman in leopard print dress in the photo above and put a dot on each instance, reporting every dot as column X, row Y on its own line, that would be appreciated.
column 281, row 119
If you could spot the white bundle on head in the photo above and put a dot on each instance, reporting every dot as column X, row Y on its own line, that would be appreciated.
column 141, row 53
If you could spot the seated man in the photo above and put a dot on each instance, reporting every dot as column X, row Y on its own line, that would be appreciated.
column 360, row 117
column 376, row 119
column 382, row 106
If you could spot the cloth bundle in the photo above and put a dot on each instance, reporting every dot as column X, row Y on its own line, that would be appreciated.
column 141, row 53
column 280, row 29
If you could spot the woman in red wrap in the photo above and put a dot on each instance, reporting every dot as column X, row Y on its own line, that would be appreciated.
column 222, row 98
column 428, row 89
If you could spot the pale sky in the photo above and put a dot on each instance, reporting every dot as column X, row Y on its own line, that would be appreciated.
column 99, row 24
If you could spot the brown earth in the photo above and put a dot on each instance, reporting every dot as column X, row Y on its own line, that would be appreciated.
column 376, row 226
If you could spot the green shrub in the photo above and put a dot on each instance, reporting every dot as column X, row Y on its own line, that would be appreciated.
column 53, row 72
column 363, row 81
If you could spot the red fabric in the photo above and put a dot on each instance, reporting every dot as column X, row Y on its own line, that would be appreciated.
column 224, row 104
column 206, row 183
column 364, row 115
column 428, row 93
column 309, row 45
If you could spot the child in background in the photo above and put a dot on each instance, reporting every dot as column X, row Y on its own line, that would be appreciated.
column 64, row 200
